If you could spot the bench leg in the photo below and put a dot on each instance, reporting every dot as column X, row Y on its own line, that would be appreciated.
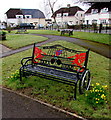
column 75, row 91
column 20, row 75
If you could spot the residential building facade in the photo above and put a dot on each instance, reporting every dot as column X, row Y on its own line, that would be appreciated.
column 15, row 16
column 99, row 13
column 69, row 15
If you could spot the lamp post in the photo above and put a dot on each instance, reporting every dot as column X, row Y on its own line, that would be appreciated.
column 106, row 27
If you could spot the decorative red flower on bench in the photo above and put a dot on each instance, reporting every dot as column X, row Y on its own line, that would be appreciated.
column 78, row 59
column 58, row 52
column 38, row 53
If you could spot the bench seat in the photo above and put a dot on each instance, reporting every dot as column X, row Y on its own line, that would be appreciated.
column 51, row 72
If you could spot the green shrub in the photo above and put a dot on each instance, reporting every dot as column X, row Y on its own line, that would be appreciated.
column 15, row 76
column 97, row 95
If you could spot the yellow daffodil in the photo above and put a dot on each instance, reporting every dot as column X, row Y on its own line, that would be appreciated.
column 97, row 84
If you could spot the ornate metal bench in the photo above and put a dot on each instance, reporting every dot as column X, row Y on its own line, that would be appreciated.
column 60, row 64
column 21, row 31
column 69, row 31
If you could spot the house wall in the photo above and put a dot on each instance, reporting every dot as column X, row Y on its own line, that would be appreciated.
column 35, row 21
column 30, row 20
column 15, row 21
column 80, row 16
column 99, row 17
column 77, row 19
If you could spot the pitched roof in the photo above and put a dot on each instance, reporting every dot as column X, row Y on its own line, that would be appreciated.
column 34, row 12
column 99, row 6
column 12, row 12
column 71, row 10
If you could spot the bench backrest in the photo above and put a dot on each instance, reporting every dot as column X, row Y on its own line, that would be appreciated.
column 61, row 57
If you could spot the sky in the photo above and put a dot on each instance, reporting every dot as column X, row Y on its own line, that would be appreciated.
column 5, row 5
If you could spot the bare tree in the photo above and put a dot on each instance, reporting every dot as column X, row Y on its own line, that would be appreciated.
column 50, row 9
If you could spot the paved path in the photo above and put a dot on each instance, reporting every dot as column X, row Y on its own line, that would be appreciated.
column 99, row 48
column 17, row 106
column 4, row 49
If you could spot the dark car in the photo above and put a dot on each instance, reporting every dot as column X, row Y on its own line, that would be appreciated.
column 26, row 26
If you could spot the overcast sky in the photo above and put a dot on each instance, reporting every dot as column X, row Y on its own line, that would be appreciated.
column 5, row 5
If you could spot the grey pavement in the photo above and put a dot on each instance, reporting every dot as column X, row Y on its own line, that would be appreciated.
column 17, row 106
column 4, row 49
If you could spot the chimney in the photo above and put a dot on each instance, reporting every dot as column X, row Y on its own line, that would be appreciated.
column 68, row 5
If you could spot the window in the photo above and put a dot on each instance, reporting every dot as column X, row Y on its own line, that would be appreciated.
column 103, row 21
column 94, row 11
column 87, row 22
column 65, row 23
column 104, row 10
column 70, row 23
column 94, row 21
column 65, row 14
column 28, row 16
column 19, row 16
column 59, row 15
column 59, row 23
column 77, row 22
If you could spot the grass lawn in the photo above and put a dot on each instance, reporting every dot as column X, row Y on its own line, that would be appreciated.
column 102, row 38
column 59, row 94
column 96, row 37
column 15, row 41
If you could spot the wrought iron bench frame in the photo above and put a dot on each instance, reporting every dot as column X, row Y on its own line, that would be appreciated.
column 19, row 31
column 51, row 66
column 69, row 31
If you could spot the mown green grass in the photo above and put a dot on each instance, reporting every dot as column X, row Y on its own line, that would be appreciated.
column 96, row 37
column 59, row 94
column 102, row 38
column 15, row 41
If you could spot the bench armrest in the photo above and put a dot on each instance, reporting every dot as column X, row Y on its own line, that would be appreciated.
column 25, row 60
column 80, row 70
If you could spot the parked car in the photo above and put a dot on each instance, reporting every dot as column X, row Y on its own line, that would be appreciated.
column 40, row 26
column 26, row 26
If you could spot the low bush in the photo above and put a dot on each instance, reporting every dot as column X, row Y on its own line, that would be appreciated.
column 97, row 95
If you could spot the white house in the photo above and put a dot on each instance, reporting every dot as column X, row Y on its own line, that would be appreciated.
column 99, row 12
column 15, row 16
column 69, row 15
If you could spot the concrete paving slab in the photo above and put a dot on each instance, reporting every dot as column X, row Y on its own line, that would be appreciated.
column 4, row 49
